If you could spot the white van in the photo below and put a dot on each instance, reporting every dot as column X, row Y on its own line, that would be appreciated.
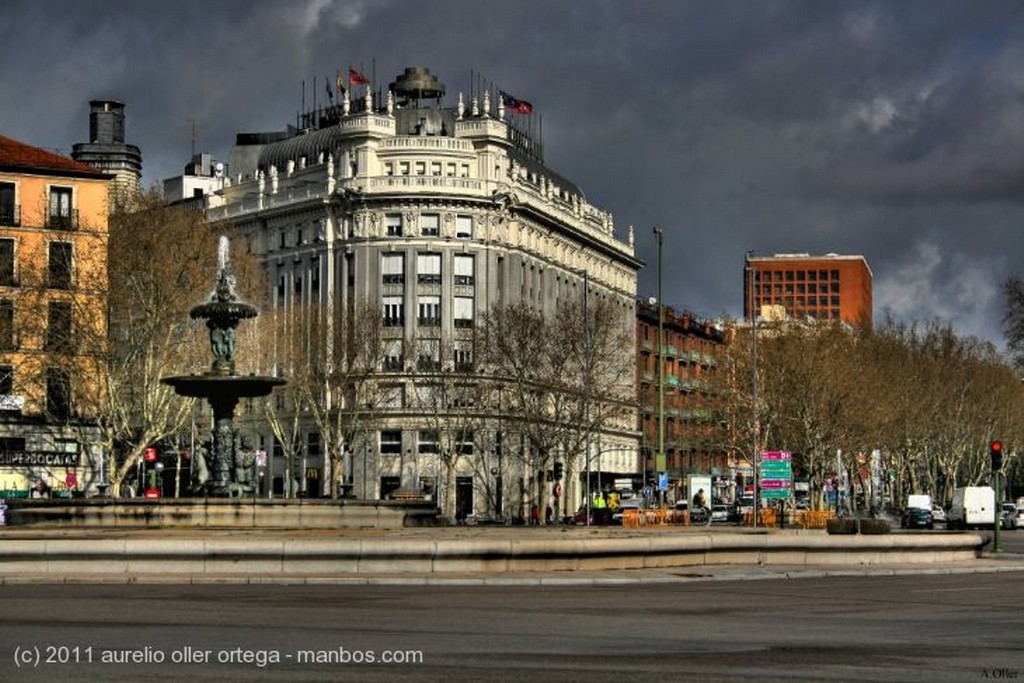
column 973, row 506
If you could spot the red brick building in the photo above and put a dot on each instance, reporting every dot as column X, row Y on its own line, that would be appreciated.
column 691, row 349
column 801, row 286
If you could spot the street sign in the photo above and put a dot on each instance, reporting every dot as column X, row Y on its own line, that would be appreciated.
column 776, row 475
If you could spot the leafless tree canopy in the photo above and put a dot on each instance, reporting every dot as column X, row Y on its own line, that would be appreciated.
column 929, row 400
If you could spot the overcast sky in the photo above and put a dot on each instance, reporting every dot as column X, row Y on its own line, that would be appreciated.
column 889, row 129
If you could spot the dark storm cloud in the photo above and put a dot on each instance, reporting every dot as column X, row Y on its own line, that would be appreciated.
column 893, row 130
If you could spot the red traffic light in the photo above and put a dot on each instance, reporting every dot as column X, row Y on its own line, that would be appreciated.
column 995, row 449
column 150, row 454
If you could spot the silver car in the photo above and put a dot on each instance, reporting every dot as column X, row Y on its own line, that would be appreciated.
column 719, row 513
column 1009, row 517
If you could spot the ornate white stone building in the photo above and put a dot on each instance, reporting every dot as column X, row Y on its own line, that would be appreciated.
column 435, row 214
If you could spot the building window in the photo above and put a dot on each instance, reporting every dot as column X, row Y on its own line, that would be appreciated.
column 58, row 392
column 430, row 224
column 6, row 325
column 393, row 355
column 60, row 214
column 403, row 167
column 58, row 327
column 462, row 311
column 60, row 265
column 464, row 227
column 393, row 269
column 393, row 221
column 7, row 262
column 297, row 284
column 435, row 168
column 428, row 355
column 428, row 269
column 429, row 311
column 426, row 441
column 421, row 168
column 313, row 444
column 464, row 442
column 391, row 442
column 394, row 311
column 6, row 380
column 463, row 355
column 464, row 267
column 9, row 213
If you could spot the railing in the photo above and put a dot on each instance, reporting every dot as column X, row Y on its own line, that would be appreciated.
column 62, row 221
column 429, row 182
column 10, row 214
column 423, row 142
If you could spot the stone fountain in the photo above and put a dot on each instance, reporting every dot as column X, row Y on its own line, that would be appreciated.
column 228, row 471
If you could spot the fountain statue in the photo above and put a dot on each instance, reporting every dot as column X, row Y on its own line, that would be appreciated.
column 226, row 468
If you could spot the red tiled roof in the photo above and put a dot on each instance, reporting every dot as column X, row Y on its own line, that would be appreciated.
column 14, row 154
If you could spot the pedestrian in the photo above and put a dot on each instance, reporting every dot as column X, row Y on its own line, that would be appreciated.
column 548, row 513
column 535, row 515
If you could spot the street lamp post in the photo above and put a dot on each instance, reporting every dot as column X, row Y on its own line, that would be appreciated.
column 586, row 385
column 660, row 464
column 752, row 307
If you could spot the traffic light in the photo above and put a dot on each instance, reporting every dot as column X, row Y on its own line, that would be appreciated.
column 559, row 470
column 995, row 449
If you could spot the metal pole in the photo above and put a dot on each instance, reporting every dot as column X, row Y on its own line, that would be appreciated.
column 660, row 464
column 753, row 362
column 997, row 545
column 586, row 387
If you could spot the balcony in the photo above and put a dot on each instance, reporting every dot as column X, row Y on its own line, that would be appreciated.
column 10, row 215
column 67, row 221
column 426, row 364
column 393, row 364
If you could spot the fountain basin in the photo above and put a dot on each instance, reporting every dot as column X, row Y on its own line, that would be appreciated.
column 216, row 386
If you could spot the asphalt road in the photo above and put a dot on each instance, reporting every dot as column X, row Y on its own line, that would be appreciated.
column 959, row 627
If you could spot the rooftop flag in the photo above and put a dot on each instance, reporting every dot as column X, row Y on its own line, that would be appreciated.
column 340, row 83
column 356, row 78
column 516, row 105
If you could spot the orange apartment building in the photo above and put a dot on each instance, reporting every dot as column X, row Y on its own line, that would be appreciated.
column 803, row 287
column 691, row 349
column 53, row 294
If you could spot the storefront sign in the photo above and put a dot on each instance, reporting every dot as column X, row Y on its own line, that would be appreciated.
column 38, row 459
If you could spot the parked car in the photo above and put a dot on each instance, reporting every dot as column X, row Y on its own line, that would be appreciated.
column 719, row 513
column 697, row 516
column 916, row 518
column 1008, row 519
column 631, row 504
column 938, row 515
column 598, row 516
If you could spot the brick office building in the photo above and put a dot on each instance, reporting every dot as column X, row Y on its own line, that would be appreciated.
column 802, row 287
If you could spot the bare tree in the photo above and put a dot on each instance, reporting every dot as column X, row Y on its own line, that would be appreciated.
column 565, row 379
column 157, row 259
